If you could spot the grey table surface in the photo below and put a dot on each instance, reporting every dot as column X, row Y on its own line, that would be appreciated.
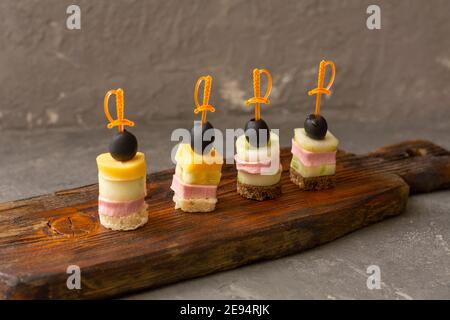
column 412, row 250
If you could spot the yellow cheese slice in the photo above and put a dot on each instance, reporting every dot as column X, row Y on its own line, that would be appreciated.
column 198, row 177
column 123, row 171
column 193, row 162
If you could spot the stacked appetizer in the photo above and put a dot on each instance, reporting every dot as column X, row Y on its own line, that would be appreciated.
column 199, row 165
column 122, row 175
column 313, row 164
column 258, row 151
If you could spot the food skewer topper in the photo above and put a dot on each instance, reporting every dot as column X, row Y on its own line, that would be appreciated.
column 199, row 141
column 256, row 124
column 315, row 125
column 205, row 106
column 123, row 146
column 120, row 122
column 257, row 99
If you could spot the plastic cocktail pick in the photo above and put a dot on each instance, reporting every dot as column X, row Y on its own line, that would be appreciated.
column 205, row 106
column 320, row 79
column 120, row 122
column 257, row 99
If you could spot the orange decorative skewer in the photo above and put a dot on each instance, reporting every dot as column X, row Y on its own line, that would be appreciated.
column 320, row 79
column 205, row 106
column 257, row 99
column 120, row 122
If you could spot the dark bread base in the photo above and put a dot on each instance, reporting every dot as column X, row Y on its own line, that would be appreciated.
column 259, row 193
column 313, row 183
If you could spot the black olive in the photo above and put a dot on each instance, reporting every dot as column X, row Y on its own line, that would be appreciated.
column 123, row 146
column 316, row 126
column 257, row 131
column 200, row 138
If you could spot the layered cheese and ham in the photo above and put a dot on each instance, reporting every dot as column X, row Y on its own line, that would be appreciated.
column 313, row 158
column 122, row 186
column 196, row 176
column 258, row 166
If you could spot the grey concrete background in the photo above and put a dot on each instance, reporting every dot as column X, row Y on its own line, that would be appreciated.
column 391, row 85
column 53, row 77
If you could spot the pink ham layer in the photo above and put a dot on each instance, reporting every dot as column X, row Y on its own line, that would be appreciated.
column 119, row 209
column 310, row 159
column 192, row 191
column 254, row 167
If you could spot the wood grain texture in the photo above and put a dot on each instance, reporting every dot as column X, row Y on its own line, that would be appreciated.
column 40, row 237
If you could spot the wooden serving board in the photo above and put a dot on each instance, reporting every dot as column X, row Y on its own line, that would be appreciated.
column 40, row 237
